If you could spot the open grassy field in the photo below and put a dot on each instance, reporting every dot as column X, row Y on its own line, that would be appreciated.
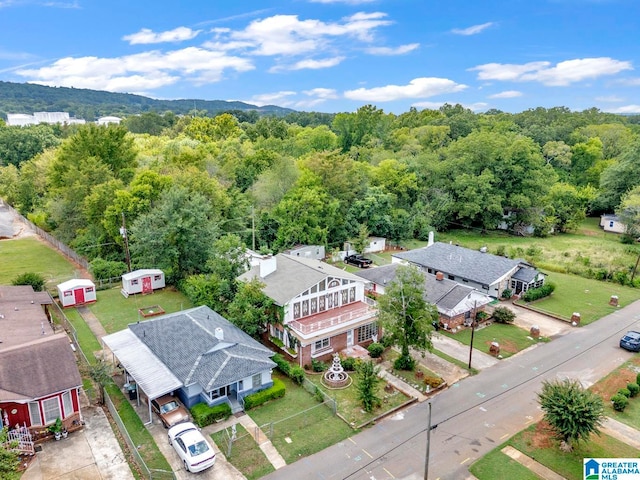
column 116, row 312
column 32, row 255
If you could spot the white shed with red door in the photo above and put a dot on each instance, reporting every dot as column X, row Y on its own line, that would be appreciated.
column 145, row 280
column 77, row 291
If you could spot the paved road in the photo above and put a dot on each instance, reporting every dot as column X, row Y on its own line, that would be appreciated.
column 473, row 416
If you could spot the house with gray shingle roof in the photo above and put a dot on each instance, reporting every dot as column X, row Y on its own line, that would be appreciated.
column 457, row 304
column 323, row 309
column 195, row 353
column 490, row 274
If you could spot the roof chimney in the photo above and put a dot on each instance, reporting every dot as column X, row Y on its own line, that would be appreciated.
column 219, row 333
column 268, row 266
column 439, row 276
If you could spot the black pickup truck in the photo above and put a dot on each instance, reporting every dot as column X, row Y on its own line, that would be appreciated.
column 359, row 261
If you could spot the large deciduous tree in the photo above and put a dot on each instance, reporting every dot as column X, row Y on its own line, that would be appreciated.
column 251, row 310
column 573, row 412
column 405, row 314
column 175, row 236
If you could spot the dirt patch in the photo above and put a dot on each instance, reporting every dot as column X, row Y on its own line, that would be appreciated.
column 507, row 346
column 543, row 436
column 619, row 378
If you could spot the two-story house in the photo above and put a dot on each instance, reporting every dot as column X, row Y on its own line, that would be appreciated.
column 323, row 309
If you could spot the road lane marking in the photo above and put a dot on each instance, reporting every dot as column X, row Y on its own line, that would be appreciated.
column 465, row 460
column 388, row 472
column 481, row 395
column 352, row 441
column 370, row 456
column 504, row 436
column 483, row 409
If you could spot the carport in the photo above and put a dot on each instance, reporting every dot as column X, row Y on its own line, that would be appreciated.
column 149, row 373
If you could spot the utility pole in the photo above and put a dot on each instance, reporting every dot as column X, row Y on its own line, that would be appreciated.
column 253, row 229
column 123, row 232
column 426, row 460
column 473, row 330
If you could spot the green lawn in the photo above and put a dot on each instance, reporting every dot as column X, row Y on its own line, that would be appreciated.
column 116, row 312
column 351, row 408
column 87, row 340
column 512, row 339
column 538, row 443
column 588, row 297
column 246, row 455
column 496, row 465
column 32, row 255
column 309, row 432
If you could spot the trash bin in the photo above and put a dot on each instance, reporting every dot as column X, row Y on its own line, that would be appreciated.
column 132, row 389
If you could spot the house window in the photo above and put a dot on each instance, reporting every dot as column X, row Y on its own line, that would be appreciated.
column 334, row 282
column 352, row 294
column 321, row 344
column 345, row 296
column 241, row 385
column 296, row 310
column 157, row 278
column 134, row 281
column 451, row 277
column 34, row 413
column 67, row 404
column 486, row 287
column 336, row 299
column 321, row 303
column 321, row 286
column 314, row 289
column 345, row 281
column 256, row 380
column 329, row 301
column 305, row 308
column 68, row 294
column 465, row 280
column 611, row 224
column 217, row 393
column 314, row 305
column 366, row 332
column 51, row 408
column 430, row 270
column 88, row 289
column 278, row 333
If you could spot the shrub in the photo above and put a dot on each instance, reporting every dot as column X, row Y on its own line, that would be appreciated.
column 538, row 293
column 404, row 363
column 633, row 388
column 34, row 279
column 481, row 316
column 263, row 396
column 387, row 341
column 503, row 315
column 638, row 378
column 625, row 392
column 348, row 363
column 103, row 269
column 433, row 382
column 204, row 415
column 501, row 251
column 619, row 402
column 318, row 366
column 282, row 364
column 507, row 293
column 297, row 374
column 375, row 350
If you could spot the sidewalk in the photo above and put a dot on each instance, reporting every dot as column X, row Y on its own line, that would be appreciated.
column 622, row 432
column 460, row 351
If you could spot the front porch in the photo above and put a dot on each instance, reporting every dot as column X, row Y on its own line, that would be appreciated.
column 335, row 319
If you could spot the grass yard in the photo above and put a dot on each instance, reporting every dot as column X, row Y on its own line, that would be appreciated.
column 351, row 408
column 87, row 340
column 116, row 312
column 588, row 297
column 246, row 455
column 418, row 377
column 609, row 386
column 310, row 430
column 496, row 465
column 512, row 339
column 32, row 255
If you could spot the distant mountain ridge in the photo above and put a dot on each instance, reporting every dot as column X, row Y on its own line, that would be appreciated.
column 92, row 104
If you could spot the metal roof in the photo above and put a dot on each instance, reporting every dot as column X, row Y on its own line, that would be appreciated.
column 151, row 375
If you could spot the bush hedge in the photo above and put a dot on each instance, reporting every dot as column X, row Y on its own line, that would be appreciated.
column 633, row 388
column 375, row 350
column 297, row 374
column 620, row 402
column 625, row 392
column 263, row 396
column 349, row 364
column 204, row 415
column 282, row 364
column 538, row 293
column 503, row 315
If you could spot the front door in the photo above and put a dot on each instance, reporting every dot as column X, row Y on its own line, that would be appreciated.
column 146, row 285
column 349, row 338
column 78, row 294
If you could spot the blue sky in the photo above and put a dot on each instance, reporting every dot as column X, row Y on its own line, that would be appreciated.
column 334, row 55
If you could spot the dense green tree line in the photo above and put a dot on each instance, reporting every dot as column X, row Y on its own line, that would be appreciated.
column 181, row 183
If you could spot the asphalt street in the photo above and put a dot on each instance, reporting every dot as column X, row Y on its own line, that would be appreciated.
column 473, row 416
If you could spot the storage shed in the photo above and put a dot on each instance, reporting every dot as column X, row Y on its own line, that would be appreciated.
column 145, row 280
column 77, row 291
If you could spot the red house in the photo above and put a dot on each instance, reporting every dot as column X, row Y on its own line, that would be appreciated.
column 39, row 378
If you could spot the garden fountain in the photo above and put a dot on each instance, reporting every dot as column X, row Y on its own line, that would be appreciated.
column 336, row 377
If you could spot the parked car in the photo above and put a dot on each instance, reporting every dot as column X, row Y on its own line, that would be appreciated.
column 359, row 261
column 631, row 341
column 169, row 410
column 192, row 448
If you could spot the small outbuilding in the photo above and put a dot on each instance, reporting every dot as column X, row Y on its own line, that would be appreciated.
column 145, row 280
column 77, row 291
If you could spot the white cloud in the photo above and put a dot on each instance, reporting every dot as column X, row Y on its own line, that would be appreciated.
column 324, row 93
column 630, row 82
column 141, row 71
column 507, row 94
column 625, row 109
column 146, row 36
column 310, row 64
column 474, row 30
column 417, row 88
column 562, row 74
column 610, row 98
column 281, row 98
column 400, row 50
